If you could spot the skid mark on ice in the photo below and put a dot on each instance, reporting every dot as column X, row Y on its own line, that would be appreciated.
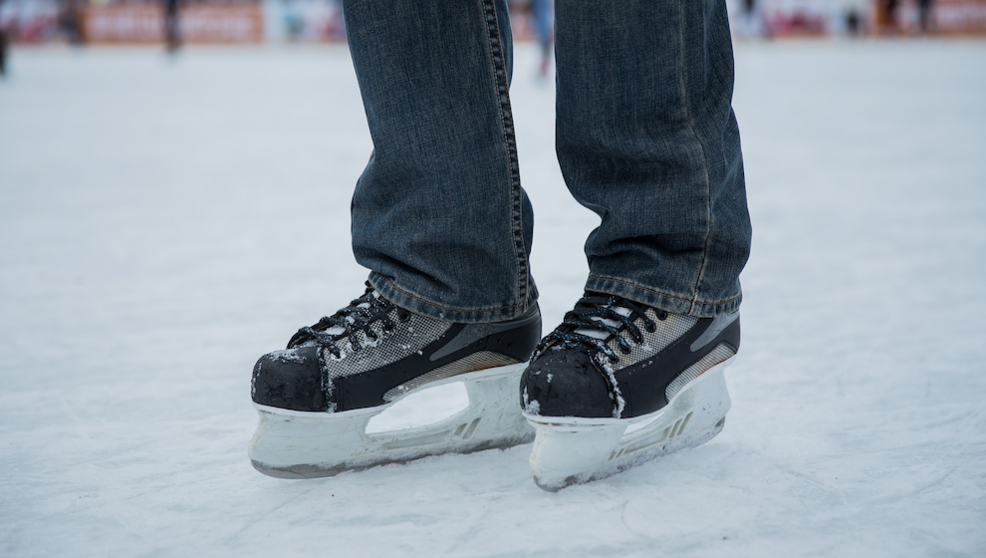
column 816, row 483
column 801, row 501
column 925, row 487
column 317, row 485
column 80, row 427
column 952, row 417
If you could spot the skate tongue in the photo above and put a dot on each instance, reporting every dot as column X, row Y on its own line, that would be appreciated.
column 375, row 295
column 360, row 314
column 602, row 334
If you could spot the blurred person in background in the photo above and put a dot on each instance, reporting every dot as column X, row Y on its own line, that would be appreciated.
column 888, row 12
column 3, row 44
column 852, row 16
column 751, row 22
column 924, row 15
column 294, row 23
column 3, row 52
column 172, row 25
column 750, row 16
column 853, row 22
column 70, row 21
column 543, row 29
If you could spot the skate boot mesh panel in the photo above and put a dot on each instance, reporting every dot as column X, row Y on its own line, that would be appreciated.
column 719, row 354
column 407, row 338
column 666, row 332
column 479, row 361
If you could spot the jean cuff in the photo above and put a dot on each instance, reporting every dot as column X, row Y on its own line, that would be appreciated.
column 674, row 303
column 418, row 304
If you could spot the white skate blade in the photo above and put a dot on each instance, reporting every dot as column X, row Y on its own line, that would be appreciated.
column 574, row 450
column 295, row 444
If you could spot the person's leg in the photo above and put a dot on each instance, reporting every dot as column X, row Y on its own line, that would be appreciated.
column 647, row 139
column 441, row 220
column 439, row 216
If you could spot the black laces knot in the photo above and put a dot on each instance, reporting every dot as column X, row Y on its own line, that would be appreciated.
column 598, row 319
column 359, row 316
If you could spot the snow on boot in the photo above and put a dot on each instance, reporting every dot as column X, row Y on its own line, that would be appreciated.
column 619, row 383
column 317, row 397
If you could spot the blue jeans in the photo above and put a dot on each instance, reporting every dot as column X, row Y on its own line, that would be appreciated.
column 646, row 138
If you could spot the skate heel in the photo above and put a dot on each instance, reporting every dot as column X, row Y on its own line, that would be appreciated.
column 295, row 444
column 495, row 395
column 572, row 450
column 566, row 454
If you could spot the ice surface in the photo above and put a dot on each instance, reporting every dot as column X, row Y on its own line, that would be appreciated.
column 163, row 224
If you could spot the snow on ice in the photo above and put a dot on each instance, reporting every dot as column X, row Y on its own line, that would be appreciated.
column 163, row 224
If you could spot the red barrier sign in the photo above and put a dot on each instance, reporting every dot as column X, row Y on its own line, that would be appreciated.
column 949, row 17
column 198, row 24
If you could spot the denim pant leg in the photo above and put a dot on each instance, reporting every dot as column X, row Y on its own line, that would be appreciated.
column 439, row 216
column 647, row 139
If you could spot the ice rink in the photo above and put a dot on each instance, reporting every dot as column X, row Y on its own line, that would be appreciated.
column 165, row 222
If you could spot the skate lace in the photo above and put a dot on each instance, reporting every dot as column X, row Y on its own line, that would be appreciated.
column 599, row 319
column 359, row 316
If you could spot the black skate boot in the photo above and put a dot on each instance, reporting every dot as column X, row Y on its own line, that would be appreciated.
column 316, row 397
column 618, row 383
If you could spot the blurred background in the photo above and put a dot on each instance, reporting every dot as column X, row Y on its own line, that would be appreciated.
column 165, row 219
column 256, row 21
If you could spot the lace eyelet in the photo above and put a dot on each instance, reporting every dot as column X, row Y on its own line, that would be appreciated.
column 650, row 326
column 403, row 316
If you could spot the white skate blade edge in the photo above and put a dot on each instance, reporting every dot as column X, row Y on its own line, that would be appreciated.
column 575, row 450
column 298, row 444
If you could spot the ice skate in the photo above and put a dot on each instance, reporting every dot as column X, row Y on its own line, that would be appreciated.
column 317, row 397
column 619, row 383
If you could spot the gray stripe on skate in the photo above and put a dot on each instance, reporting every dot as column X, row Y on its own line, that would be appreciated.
column 715, row 328
column 474, row 332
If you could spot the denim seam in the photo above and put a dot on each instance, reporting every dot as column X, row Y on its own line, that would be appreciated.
column 430, row 303
column 705, row 158
column 659, row 293
column 522, row 287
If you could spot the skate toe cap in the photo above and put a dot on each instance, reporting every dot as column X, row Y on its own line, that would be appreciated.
column 565, row 383
column 289, row 379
